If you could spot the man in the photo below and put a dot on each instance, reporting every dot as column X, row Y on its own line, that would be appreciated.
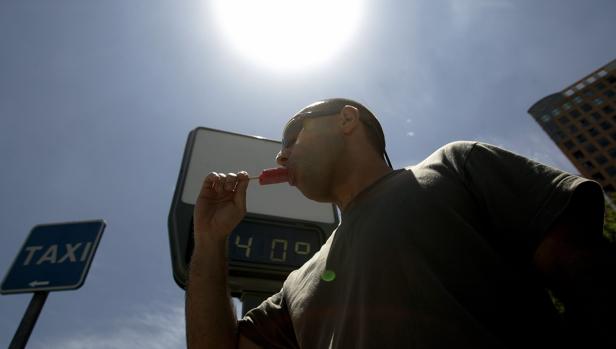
column 455, row 251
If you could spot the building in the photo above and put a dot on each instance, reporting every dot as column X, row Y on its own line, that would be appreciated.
column 581, row 120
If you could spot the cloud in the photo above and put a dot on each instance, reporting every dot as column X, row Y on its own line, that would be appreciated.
column 464, row 12
column 160, row 326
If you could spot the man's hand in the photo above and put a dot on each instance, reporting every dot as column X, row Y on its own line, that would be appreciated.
column 220, row 207
column 210, row 319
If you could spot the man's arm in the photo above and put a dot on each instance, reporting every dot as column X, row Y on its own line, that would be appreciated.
column 209, row 314
column 579, row 266
column 210, row 318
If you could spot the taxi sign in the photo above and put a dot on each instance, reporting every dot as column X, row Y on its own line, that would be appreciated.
column 54, row 257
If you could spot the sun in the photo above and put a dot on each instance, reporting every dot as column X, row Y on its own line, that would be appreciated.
column 288, row 35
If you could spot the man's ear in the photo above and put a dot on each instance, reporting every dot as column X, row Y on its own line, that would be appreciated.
column 349, row 118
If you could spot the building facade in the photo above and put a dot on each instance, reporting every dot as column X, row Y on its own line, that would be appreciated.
column 581, row 120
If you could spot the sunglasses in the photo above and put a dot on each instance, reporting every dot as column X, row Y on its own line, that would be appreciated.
column 295, row 125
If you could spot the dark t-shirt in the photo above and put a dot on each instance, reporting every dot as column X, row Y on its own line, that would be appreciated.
column 437, row 255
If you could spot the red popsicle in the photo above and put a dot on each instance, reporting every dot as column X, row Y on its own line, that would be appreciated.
column 273, row 176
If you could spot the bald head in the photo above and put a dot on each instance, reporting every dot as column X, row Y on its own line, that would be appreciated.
column 374, row 131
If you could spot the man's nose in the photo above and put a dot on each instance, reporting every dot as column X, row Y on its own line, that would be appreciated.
column 282, row 157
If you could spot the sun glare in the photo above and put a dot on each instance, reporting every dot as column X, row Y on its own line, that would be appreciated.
column 288, row 35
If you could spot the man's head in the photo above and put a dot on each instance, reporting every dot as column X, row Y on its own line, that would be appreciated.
column 325, row 140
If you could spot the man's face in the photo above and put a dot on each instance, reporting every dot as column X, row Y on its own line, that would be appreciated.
column 312, row 150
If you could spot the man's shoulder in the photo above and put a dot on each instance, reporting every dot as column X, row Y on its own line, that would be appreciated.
column 451, row 153
column 458, row 147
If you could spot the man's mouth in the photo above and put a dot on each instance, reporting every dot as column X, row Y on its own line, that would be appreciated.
column 291, row 177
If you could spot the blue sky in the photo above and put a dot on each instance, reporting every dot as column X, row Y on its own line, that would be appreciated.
column 97, row 99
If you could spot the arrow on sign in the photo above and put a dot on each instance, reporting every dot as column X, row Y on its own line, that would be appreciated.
column 36, row 283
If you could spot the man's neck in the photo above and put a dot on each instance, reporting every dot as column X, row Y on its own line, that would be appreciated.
column 356, row 179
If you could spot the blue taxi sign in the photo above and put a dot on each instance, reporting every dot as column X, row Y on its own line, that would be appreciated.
column 54, row 257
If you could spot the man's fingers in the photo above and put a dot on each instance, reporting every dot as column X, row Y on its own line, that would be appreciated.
column 209, row 183
column 240, row 190
column 220, row 183
column 230, row 182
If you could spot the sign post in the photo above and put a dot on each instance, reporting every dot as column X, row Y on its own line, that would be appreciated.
column 29, row 320
column 54, row 257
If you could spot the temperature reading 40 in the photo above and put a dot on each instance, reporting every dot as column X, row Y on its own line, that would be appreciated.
column 280, row 245
column 278, row 248
column 301, row 248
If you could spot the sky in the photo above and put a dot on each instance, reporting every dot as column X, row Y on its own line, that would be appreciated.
column 97, row 99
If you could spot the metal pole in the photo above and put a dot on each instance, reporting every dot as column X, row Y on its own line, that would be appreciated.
column 29, row 320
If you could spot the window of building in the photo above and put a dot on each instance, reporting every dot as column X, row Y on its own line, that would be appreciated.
column 611, row 171
column 569, row 144
column 608, row 109
column 575, row 113
column 600, row 86
column 609, row 93
column 593, row 131
column 600, row 159
column 604, row 142
column 589, row 93
column 567, row 106
column 591, row 79
column 597, row 101
column 578, row 155
column 611, row 79
column 569, row 93
column 563, row 120
column 580, row 86
column 545, row 118
column 584, row 123
column 556, row 112
column 551, row 127
column 598, row 176
column 559, row 136
column 581, row 138
column 589, row 165
column 573, row 129
column 595, row 116
column 590, row 148
column 613, row 135
column 605, row 125
column 601, row 73
column 586, row 107
column 612, row 153
column 578, row 100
